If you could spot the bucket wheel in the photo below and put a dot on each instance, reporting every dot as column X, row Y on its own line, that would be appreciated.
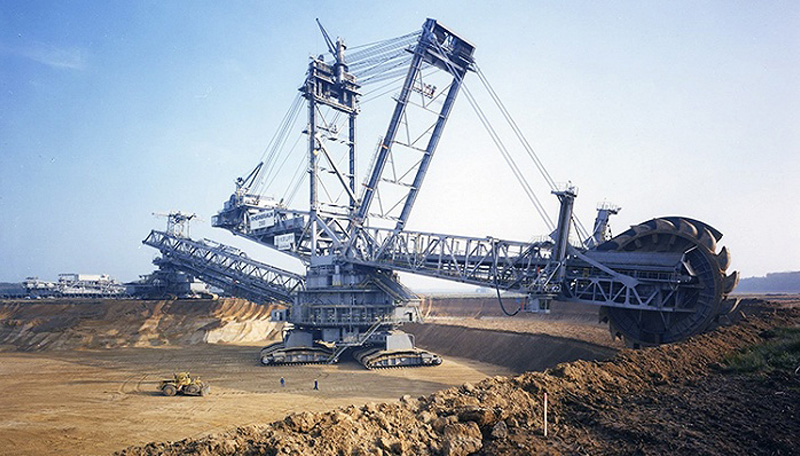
column 704, row 301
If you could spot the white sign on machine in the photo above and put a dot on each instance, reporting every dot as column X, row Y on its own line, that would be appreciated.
column 284, row 241
column 264, row 219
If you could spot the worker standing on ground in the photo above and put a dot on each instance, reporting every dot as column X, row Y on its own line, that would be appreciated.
column 283, row 382
column 316, row 384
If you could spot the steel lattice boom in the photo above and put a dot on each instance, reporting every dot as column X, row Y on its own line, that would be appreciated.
column 227, row 268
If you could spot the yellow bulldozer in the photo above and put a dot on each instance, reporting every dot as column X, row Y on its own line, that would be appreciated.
column 183, row 383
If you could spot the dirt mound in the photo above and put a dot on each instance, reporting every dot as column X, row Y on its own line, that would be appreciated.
column 61, row 325
column 520, row 352
column 592, row 332
column 665, row 400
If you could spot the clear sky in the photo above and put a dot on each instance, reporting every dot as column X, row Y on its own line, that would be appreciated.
column 110, row 111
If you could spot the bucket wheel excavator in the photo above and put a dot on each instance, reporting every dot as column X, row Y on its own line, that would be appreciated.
column 658, row 282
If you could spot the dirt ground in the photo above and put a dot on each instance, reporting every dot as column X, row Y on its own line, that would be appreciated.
column 83, row 402
column 521, row 350
column 673, row 399
column 80, row 378
column 589, row 331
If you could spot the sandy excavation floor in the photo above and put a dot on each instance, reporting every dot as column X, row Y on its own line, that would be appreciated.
column 688, row 398
column 80, row 377
column 98, row 401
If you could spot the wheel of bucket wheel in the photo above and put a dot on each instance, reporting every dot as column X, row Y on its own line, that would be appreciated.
column 169, row 390
column 192, row 389
column 697, row 241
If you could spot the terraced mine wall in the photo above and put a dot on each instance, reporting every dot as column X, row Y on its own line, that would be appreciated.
column 72, row 324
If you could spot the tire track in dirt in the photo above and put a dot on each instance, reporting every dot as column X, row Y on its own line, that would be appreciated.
column 132, row 385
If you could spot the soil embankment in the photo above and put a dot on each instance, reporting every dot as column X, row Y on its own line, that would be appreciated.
column 517, row 351
column 67, row 325
column 531, row 344
column 671, row 399
column 488, row 307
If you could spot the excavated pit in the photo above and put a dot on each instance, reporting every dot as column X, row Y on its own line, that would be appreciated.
column 673, row 399
column 83, row 377
column 522, row 344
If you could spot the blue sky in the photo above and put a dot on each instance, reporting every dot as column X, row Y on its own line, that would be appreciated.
column 110, row 111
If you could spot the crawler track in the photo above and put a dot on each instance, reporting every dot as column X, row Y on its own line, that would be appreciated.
column 377, row 358
column 278, row 353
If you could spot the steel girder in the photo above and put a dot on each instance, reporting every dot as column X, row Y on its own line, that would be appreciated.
column 630, row 280
column 227, row 268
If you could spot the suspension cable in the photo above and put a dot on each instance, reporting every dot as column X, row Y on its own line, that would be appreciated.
column 582, row 233
column 383, row 89
column 269, row 180
column 498, row 142
column 581, row 230
column 372, row 62
column 297, row 179
column 269, row 157
column 517, row 131
column 510, row 160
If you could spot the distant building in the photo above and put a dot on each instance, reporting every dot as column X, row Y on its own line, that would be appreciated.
column 73, row 285
column 72, row 278
column 165, row 282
